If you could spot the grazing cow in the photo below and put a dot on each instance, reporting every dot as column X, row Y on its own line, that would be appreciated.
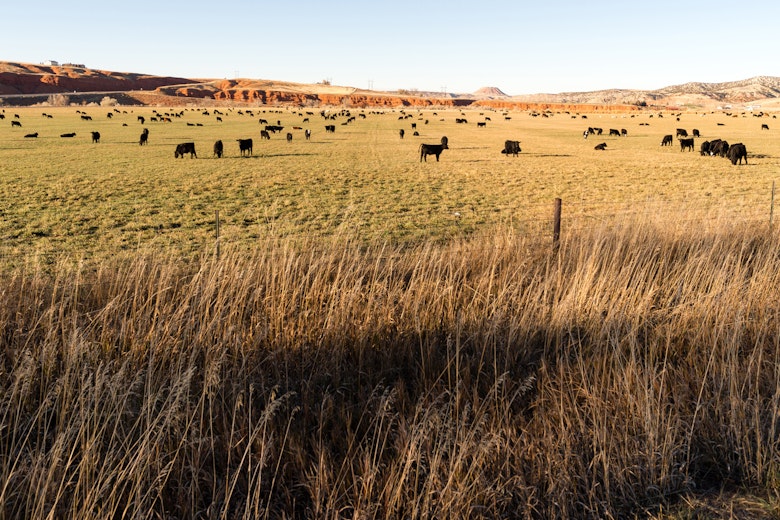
column 219, row 148
column 245, row 145
column 511, row 147
column 737, row 152
column 307, row 134
column 705, row 148
column 686, row 144
column 32, row 135
column 16, row 123
column 764, row 127
column 681, row 132
column 401, row 133
column 667, row 140
column 719, row 147
column 481, row 125
column 95, row 137
column 696, row 132
column 601, row 146
column 433, row 149
column 274, row 128
column 265, row 135
column 414, row 125
column 614, row 131
column 141, row 119
column 330, row 128
column 183, row 148
column 289, row 137
column 71, row 134
column 623, row 132
column 219, row 119
column 86, row 118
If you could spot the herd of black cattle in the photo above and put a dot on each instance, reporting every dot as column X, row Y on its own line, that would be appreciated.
column 736, row 152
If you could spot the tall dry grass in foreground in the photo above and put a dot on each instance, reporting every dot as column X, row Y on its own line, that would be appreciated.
column 486, row 378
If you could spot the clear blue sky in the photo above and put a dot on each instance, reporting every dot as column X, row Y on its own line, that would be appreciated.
column 521, row 47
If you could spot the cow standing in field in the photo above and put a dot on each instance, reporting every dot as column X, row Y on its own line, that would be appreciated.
column 511, row 147
column 667, row 140
column 737, row 152
column 95, row 137
column 265, row 135
column 16, row 123
column 245, row 145
column 614, row 131
column 219, row 148
column 289, row 137
column 144, row 139
column 184, row 148
column 433, row 149
column 307, row 134
column 681, row 132
column 764, row 127
column 686, row 144
column 401, row 133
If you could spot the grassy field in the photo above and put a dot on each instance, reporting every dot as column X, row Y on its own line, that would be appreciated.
column 381, row 338
column 60, row 194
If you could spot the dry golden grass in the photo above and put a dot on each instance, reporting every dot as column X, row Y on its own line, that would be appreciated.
column 357, row 351
column 482, row 378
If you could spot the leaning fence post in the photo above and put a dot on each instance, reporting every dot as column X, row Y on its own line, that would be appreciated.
column 557, row 223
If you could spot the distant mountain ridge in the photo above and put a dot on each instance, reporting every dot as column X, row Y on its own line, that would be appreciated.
column 30, row 79
column 692, row 93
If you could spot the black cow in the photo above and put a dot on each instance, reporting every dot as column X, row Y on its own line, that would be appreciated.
column 289, row 137
column 696, row 132
column 16, row 123
column 141, row 119
column 601, row 146
column 433, row 149
column 681, row 132
column 667, row 140
column 481, row 125
column 265, row 135
column 686, row 144
column 95, row 137
column 719, row 147
column 70, row 134
column 623, row 132
column 183, row 148
column 32, row 135
column 705, row 148
column 511, row 147
column 86, row 118
column 144, row 137
column 401, row 133
column 245, row 145
column 737, row 152
column 614, row 131
column 330, row 128
column 219, row 148
column 764, row 127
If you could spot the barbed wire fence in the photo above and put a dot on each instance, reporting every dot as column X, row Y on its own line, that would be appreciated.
column 550, row 222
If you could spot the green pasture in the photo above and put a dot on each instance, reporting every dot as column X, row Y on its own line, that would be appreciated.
column 70, row 195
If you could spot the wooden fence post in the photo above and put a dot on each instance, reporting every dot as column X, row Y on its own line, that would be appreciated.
column 557, row 223
column 772, row 207
column 217, row 230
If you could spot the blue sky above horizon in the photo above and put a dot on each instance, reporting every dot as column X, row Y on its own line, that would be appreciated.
column 430, row 45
